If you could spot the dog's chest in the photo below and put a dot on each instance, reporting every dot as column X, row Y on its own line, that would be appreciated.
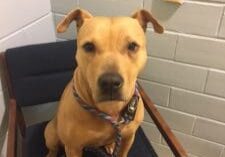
column 107, row 135
column 100, row 135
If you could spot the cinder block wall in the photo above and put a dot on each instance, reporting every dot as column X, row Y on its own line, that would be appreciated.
column 185, row 73
column 21, row 23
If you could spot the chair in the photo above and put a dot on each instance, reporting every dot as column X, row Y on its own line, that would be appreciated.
column 37, row 74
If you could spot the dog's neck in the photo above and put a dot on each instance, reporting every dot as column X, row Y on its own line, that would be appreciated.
column 112, row 108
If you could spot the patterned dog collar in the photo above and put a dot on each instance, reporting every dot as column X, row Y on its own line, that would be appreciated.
column 127, row 116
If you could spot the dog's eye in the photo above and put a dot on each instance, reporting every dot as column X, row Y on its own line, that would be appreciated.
column 133, row 46
column 89, row 47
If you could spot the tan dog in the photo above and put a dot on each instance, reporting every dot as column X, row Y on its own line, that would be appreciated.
column 111, row 51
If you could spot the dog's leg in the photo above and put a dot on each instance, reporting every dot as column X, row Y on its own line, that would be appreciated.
column 126, row 145
column 51, row 139
column 109, row 148
column 71, row 152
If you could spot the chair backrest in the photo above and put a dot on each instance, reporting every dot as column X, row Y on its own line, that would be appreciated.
column 39, row 73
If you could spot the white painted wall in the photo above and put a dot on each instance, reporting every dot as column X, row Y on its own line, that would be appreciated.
column 185, row 73
column 21, row 23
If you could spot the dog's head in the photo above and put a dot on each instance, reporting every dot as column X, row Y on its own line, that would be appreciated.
column 111, row 51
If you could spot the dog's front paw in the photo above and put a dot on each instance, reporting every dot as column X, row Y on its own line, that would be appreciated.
column 109, row 148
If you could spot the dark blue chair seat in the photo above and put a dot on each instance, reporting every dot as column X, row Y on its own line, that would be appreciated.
column 39, row 74
column 35, row 144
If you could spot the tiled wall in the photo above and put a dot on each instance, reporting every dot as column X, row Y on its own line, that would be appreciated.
column 21, row 23
column 185, row 73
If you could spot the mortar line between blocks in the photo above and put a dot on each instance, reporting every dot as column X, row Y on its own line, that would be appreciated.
column 61, row 39
column 59, row 14
column 193, row 65
column 193, row 126
column 175, row 51
column 189, row 114
column 160, row 144
column 199, row 138
column 190, row 135
column 186, row 34
column 203, row 2
column 220, row 22
column 184, row 89
column 169, row 85
column 206, row 80
column 175, row 110
column 192, row 115
column 143, row 4
column 170, row 96
column 54, row 25
column 209, row 140
column 221, row 153
column 187, row 134
column 161, row 138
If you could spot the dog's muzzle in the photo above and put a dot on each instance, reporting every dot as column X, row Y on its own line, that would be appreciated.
column 110, row 85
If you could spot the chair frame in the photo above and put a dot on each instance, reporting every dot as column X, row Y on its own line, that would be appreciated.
column 16, row 118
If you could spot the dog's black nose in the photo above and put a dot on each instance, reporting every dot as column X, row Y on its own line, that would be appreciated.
column 110, row 82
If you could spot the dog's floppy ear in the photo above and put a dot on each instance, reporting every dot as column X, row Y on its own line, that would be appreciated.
column 78, row 15
column 143, row 17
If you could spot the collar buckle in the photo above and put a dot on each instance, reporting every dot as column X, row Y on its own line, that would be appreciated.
column 130, row 111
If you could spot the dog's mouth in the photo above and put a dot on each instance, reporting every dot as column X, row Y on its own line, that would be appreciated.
column 112, row 96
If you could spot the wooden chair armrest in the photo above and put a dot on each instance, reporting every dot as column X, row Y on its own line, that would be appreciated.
column 161, row 124
column 10, row 94
column 15, row 116
column 14, row 129
column 11, row 142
